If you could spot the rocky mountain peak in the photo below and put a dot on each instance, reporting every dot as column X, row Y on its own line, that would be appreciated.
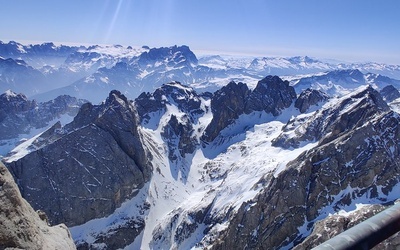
column 308, row 98
column 117, row 98
column 271, row 95
column 96, row 185
column 390, row 93
column 173, row 93
column 13, row 102
column 345, row 114
column 176, row 55
column 10, row 64
column 227, row 104
column 19, row 115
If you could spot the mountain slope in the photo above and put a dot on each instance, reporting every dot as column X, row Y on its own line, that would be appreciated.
column 22, row 227
column 268, row 174
column 358, row 164
column 91, row 165
column 21, row 117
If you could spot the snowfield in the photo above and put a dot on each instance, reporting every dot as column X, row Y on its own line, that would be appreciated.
column 217, row 177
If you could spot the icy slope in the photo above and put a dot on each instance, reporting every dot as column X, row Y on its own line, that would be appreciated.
column 265, row 178
column 196, row 193
column 355, row 163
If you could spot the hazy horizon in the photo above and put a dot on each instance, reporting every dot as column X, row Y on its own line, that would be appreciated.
column 353, row 31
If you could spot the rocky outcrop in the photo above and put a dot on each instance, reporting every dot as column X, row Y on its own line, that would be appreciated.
column 21, row 227
column 390, row 93
column 308, row 98
column 184, row 97
column 178, row 135
column 359, row 162
column 227, row 104
column 18, row 114
column 86, row 169
column 178, row 56
column 348, row 113
column 177, row 128
column 271, row 95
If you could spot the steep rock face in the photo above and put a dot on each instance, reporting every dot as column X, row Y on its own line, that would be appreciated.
column 308, row 98
column 178, row 132
column 21, row 227
column 345, row 115
column 178, row 56
column 90, row 166
column 359, row 163
column 18, row 115
column 227, row 104
column 13, row 102
column 186, row 99
column 271, row 95
column 178, row 136
column 390, row 93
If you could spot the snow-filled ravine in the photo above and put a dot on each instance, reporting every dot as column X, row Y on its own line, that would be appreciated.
column 206, row 178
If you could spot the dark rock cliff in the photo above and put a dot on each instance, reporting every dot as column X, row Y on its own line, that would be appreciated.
column 271, row 95
column 18, row 114
column 332, row 121
column 390, row 93
column 88, row 168
column 226, row 105
column 308, row 98
column 21, row 227
column 360, row 162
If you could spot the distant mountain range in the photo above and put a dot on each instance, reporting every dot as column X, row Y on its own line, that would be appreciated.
column 167, row 150
column 237, row 168
column 46, row 71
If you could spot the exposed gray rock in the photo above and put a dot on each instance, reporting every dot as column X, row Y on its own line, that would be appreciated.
column 88, row 168
column 18, row 115
column 332, row 121
column 227, row 104
column 308, row 98
column 178, row 132
column 390, row 93
column 359, row 162
column 116, row 238
column 184, row 97
column 21, row 227
column 271, row 95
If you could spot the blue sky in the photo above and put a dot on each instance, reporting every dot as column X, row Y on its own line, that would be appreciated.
column 351, row 30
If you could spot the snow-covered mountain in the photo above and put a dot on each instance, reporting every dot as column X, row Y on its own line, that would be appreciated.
column 339, row 82
column 240, row 167
column 21, row 118
column 37, row 55
column 45, row 71
column 176, row 151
